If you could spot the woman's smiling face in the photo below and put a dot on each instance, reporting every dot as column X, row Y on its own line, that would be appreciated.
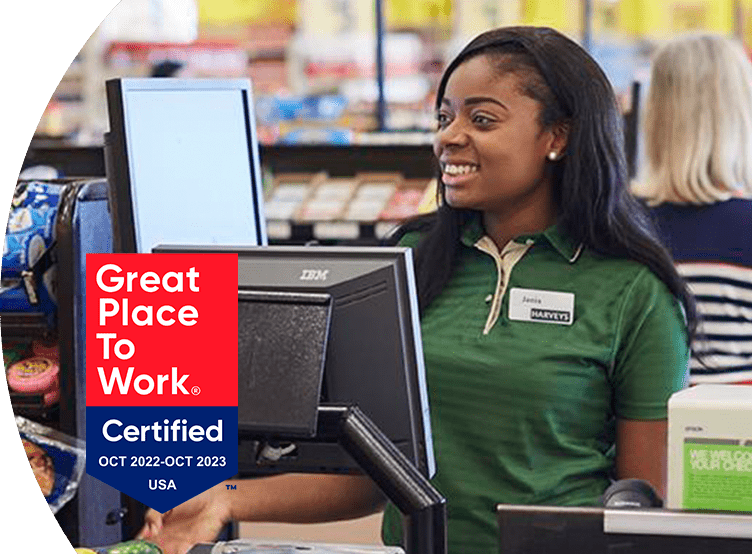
column 490, row 144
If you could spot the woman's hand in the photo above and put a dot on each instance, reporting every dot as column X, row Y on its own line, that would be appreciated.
column 199, row 519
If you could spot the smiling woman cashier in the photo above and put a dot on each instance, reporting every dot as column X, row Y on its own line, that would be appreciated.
column 552, row 319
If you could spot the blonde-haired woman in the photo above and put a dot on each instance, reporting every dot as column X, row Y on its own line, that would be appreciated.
column 698, row 178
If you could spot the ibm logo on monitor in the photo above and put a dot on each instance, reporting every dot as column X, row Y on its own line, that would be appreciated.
column 314, row 275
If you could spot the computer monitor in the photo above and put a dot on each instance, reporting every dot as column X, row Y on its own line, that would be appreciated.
column 359, row 305
column 182, row 163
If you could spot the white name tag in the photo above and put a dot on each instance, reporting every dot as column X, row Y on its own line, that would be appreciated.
column 542, row 306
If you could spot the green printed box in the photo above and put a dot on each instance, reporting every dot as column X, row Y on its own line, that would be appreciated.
column 710, row 448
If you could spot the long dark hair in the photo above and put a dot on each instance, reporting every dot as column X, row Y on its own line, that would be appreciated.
column 590, row 181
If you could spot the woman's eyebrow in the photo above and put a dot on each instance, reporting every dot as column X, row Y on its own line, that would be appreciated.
column 474, row 100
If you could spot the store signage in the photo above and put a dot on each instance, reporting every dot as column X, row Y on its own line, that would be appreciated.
column 161, row 373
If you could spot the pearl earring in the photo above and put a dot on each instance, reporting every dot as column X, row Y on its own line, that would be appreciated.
column 552, row 156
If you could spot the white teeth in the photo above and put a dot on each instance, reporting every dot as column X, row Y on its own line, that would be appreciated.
column 459, row 169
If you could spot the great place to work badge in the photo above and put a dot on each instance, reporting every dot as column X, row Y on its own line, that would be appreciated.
column 161, row 373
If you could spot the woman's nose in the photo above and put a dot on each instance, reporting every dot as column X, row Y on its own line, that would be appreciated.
column 453, row 134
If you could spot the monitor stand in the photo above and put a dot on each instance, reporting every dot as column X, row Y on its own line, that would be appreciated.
column 423, row 507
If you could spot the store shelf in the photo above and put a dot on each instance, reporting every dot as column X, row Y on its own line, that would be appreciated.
column 412, row 160
column 31, row 406
column 327, row 232
column 30, row 325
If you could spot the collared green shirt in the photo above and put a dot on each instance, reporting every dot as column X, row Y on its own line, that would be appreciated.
column 523, row 411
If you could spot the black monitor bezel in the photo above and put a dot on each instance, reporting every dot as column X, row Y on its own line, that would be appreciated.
column 417, row 392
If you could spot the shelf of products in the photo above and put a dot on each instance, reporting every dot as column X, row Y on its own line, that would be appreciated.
column 285, row 66
column 43, row 350
column 78, row 104
column 318, row 49
column 364, row 207
column 39, row 390
column 405, row 171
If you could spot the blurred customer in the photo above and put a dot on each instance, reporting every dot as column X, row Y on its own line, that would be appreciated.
column 698, row 179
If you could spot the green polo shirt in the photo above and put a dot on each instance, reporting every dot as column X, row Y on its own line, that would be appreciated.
column 523, row 410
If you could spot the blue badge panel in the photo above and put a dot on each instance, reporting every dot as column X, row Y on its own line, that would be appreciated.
column 162, row 456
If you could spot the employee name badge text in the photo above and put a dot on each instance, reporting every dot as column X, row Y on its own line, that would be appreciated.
column 541, row 306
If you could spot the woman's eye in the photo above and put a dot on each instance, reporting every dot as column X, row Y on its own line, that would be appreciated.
column 442, row 120
column 481, row 120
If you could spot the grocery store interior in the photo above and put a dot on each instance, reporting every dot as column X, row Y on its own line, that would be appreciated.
column 345, row 73
column 343, row 94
